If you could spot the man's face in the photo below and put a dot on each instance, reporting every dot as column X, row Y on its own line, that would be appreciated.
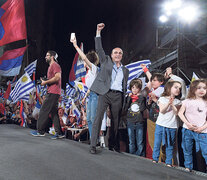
column 48, row 58
column 117, row 54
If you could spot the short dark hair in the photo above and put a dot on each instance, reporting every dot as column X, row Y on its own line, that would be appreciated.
column 93, row 57
column 52, row 53
column 135, row 82
column 159, row 76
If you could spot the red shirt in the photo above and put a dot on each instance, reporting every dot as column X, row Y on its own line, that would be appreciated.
column 54, row 88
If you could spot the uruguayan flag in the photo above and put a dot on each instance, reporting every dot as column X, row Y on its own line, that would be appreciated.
column 75, row 111
column 135, row 70
column 23, row 87
column 31, row 68
column 25, row 98
column 68, row 104
column 80, row 70
column 42, row 90
column 70, row 91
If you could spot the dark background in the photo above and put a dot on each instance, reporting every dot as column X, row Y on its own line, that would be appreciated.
column 130, row 24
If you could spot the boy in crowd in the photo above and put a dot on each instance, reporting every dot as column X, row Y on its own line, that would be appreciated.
column 154, row 90
column 135, row 106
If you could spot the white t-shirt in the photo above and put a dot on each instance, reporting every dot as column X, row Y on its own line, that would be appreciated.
column 167, row 119
column 91, row 75
column 195, row 112
column 158, row 91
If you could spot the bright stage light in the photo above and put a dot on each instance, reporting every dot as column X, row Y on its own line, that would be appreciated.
column 167, row 6
column 169, row 13
column 163, row 19
column 170, row 5
column 176, row 4
column 188, row 14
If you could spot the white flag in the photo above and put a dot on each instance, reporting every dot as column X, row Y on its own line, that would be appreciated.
column 194, row 77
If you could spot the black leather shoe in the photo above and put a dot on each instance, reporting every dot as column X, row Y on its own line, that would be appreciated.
column 114, row 149
column 93, row 150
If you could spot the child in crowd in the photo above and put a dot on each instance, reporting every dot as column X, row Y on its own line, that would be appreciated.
column 193, row 113
column 166, row 124
column 154, row 90
column 171, row 77
column 135, row 105
column 92, row 60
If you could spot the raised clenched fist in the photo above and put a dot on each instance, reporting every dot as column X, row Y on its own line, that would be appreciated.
column 100, row 26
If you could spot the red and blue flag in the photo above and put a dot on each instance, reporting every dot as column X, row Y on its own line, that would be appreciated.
column 12, row 22
column 11, row 61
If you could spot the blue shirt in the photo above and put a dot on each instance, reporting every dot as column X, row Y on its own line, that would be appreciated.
column 117, row 77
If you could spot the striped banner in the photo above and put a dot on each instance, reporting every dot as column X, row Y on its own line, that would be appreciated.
column 31, row 68
column 23, row 87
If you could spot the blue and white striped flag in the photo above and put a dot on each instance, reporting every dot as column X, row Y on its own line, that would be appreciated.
column 82, row 87
column 68, row 104
column 23, row 87
column 135, row 70
column 25, row 98
column 80, row 69
column 76, row 112
column 77, row 70
column 42, row 90
column 31, row 68
column 70, row 91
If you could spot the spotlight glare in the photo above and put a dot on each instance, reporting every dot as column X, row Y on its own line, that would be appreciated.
column 163, row 19
column 188, row 13
column 176, row 4
column 169, row 13
column 168, row 6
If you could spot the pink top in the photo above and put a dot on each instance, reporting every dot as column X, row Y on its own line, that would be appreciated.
column 195, row 112
column 52, row 70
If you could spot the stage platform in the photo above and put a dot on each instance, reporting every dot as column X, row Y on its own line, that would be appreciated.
column 24, row 157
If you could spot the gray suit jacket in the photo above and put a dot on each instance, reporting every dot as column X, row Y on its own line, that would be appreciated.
column 102, row 83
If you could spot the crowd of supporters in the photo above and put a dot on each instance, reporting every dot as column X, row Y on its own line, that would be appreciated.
column 131, row 142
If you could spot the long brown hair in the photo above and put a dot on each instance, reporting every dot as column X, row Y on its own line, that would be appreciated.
column 167, row 88
column 193, row 88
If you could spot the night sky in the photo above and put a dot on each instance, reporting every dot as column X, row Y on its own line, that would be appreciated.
column 130, row 24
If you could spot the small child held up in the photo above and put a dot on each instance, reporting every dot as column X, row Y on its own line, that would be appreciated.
column 166, row 124
column 135, row 105
column 193, row 113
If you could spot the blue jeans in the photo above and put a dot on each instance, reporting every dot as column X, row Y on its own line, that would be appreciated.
column 135, row 133
column 188, row 138
column 166, row 136
column 91, row 109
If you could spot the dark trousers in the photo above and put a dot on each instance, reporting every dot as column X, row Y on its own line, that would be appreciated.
column 114, row 101
column 49, row 106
